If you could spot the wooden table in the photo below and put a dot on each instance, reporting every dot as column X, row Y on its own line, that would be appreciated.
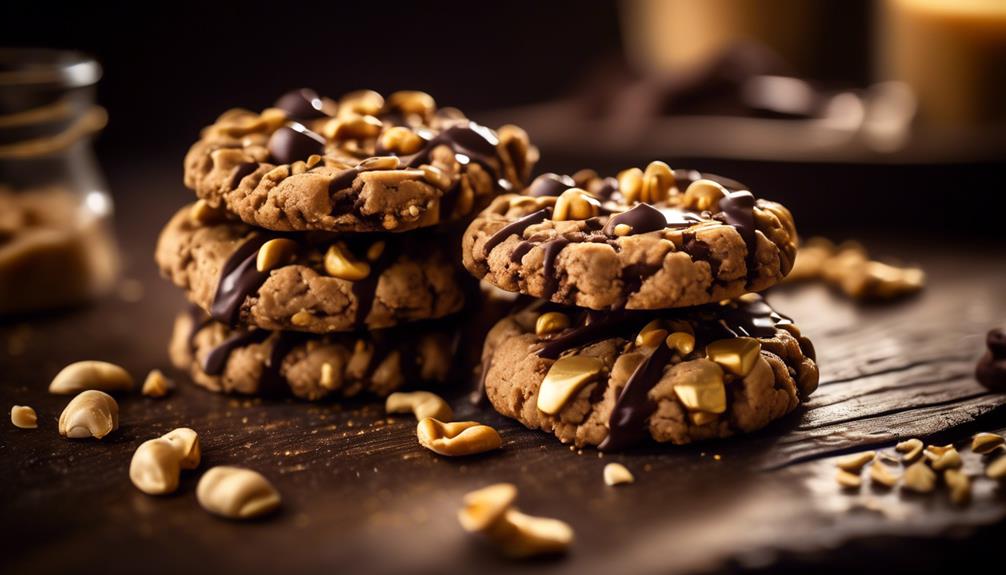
column 360, row 495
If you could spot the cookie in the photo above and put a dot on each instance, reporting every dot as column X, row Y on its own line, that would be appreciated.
column 648, row 240
column 361, row 164
column 263, row 362
column 615, row 378
column 315, row 283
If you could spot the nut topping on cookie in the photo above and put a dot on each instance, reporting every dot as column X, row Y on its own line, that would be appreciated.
column 575, row 204
column 700, row 387
column 339, row 263
column 567, row 376
column 737, row 355
column 274, row 253
column 551, row 322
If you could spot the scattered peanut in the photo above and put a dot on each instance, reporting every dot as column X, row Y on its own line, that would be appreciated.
column 919, row 478
column 960, row 486
column 157, row 463
column 92, row 413
column 986, row 442
column 490, row 511
column 996, row 469
column 911, row 449
column 617, row 474
column 949, row 460
column 882, row 475
column 458, row 438
column 575, row 204
column 156, row 385
column 422, row 404
column 23, row 417
column 236, row 493
column 848, row 480
column 98, row 375
column 856, row 461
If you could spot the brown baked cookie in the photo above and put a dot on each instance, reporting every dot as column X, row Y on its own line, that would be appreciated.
column 315, row 283
column 648, row 240
column 613, row 379
column 361, row 164
column 312, row 367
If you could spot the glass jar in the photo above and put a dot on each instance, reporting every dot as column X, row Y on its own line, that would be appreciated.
column 56, row 241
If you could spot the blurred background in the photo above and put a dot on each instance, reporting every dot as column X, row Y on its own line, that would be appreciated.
column 864, row 116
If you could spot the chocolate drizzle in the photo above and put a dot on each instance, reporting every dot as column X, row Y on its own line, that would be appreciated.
column 552, row 249
column 512, row 228
column 343, row 179
column 294, row 142
column 475, row 142
column 216, row 360
column 365, row 290
column 241, row 172
column 520, row 251
column 271, row 380
column 749, row 316
column 738, row 210
column 550, row 184
column 239, row 278
column 642, row 218
column 627, row 425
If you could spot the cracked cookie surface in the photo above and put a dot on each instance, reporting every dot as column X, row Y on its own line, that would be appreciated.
column 613, row 379
column 312, row 367
column 403, row 278
column 364, row 163
column 594, row 243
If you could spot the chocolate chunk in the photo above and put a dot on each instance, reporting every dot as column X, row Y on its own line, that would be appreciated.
column 550, row 185
column 294, row 142
column 991, row 369
column 303, row 104
column 642, row 219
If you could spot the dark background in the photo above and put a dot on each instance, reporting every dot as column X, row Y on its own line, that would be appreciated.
column 171, row 68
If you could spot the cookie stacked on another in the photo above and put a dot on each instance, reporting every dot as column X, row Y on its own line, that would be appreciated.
column 648, row 324
column 320, row 257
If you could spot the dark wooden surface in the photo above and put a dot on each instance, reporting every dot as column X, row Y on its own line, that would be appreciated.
column 360, row 495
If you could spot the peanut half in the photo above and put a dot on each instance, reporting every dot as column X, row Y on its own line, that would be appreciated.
column 236, row 493
column 422, row 404
column 617, row 474
column 490, row 512
column 23, row 417
column 92, row 413
column 157, row 463
column 99, row 375
column 457, row 438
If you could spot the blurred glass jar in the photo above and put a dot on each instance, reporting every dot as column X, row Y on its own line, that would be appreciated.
column 56, row 242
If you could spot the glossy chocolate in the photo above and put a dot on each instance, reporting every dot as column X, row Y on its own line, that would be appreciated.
column 239, row 278
column 295, row 142
column 303, row 104
column 550, row 184
column 991, row 368
column 515, row 228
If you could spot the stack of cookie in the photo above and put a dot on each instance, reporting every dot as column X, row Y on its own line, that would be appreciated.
column 321, row 255
column 647, row 324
